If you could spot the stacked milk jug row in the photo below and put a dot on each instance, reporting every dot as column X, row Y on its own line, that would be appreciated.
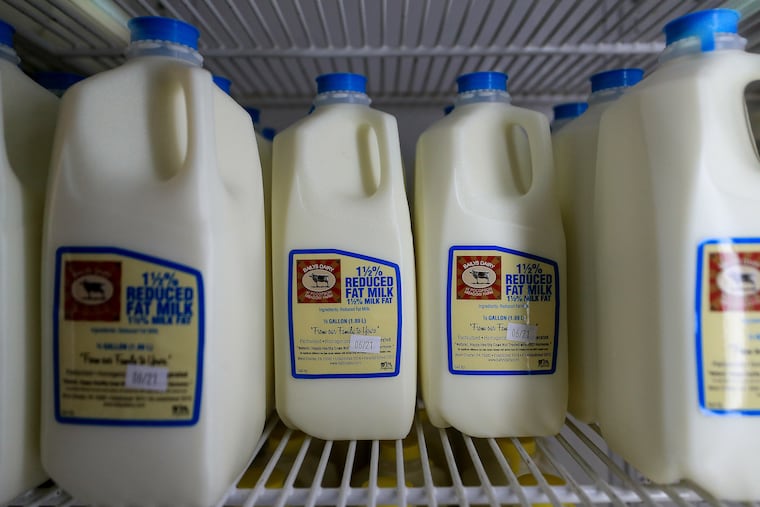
column 154, row 274
column 657, row 184
column 154, row 302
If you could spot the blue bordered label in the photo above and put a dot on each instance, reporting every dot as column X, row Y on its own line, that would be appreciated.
column 128, row 339
column 502, row 312
column 727, row 307
column 344, row 315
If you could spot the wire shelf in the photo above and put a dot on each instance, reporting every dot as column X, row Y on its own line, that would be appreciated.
column 411, row 51
column 445, row 468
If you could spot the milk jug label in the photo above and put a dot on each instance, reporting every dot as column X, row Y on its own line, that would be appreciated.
column 728, row 326
column 502, row 312
column 344, row 315
column 127, row 338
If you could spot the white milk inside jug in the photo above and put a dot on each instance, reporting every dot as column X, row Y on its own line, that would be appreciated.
column 575, row 162
column 491, row 254
column 154, row 262
column 27, row 122
column 678, row 254
column 265, row 156
column 343, row 268
column 566, row 113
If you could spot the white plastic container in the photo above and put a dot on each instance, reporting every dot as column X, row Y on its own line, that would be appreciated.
column 491, row 267
column 343, row 267
column 153, row 365
column 566, row 113
column 27, row 122
column 575, row 161
column 677, row 246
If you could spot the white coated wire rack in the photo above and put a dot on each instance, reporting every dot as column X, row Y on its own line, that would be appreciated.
column 444, row 468
column 411, row 50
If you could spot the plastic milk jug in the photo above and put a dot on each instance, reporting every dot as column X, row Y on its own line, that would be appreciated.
column 265, row 155
column 566, row 113
column 27, row 122
column 343, row 268
column 575, row 163
column 153, row 336
column 678, row 259
column 491, row 268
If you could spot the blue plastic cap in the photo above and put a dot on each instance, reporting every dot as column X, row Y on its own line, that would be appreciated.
column 268, row 133
column 482, row 81
column 57, row 80
column 166, row 29
column 255, row 114
column 223, row 83
column 341, row 82
column 6, row 33
column 569, row 110
column 702, row 24
column 617, row 78
column 448, row 109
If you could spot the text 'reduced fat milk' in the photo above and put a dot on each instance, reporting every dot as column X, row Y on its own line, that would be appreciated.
column 678, row 259
column 153, row 277
column 491, row 267
column 343, row 270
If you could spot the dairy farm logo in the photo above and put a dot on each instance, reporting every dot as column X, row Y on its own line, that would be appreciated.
column 318, row 280
column 478, row 277
column 734, row 281
column 92, row 291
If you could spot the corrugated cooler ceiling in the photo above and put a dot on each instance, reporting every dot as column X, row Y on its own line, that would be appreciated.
column 411, row 50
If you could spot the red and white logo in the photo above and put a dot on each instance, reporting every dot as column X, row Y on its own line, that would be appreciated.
column 478, row 277
column 734, row 281
column 318, row 280
column 92, row 291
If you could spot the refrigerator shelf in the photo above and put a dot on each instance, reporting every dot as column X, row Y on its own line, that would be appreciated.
column 411, row 51
column 578, row 456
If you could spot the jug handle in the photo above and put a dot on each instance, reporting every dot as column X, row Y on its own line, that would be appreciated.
column 197, row 89
column 4, row 160
column 727, row 113
column 536, row 126
column 388, row 148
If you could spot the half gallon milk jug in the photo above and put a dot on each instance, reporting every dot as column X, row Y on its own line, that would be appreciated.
column 27, row 121
column 153, row 371
column 678, row 254
column 491, row 267
column 265, row 155
column 343, row 267
column 575, row 162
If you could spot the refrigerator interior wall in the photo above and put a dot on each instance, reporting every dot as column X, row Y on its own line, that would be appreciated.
column 411, row 52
